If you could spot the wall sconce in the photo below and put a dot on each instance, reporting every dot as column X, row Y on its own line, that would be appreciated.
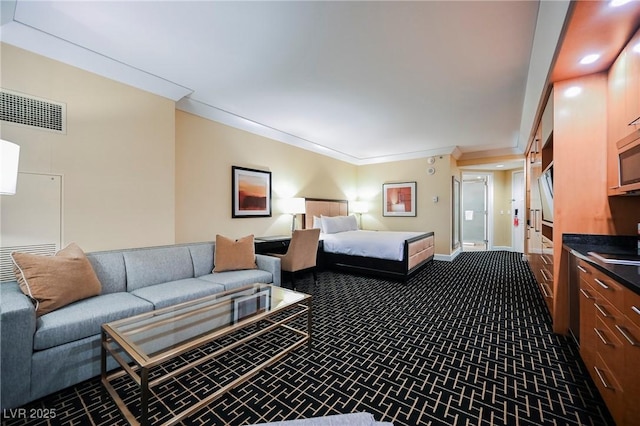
column 293, row 206
column 359, row 207
column 9, row 157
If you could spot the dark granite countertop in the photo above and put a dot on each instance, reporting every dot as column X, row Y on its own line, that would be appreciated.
column 580, row 245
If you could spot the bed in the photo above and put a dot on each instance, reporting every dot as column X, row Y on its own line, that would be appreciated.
column 390, row 254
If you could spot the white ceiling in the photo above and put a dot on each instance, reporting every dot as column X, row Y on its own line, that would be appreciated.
column 360, row 81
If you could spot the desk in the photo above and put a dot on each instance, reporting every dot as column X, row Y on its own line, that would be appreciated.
column 280, row 244
column 272, row 244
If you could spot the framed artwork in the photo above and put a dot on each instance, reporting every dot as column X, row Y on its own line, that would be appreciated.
column 251, row 192
column 399, row 199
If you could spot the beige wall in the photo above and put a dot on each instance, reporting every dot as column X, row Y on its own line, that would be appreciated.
column 136, row 172
column 117, row 158
column 430, row 215
column 205, row 152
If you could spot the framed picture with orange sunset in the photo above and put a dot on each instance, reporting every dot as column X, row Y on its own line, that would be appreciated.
column 251, row 192
column 399, row 199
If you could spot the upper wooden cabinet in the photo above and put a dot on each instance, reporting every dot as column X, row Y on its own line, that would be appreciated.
column 623, row 105
column 546, row 123
column 632, row 82
column 624, row 92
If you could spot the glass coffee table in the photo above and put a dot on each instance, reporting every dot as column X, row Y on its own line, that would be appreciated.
column 144, row 344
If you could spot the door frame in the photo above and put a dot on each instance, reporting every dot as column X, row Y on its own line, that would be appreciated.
column 520, row 230
column 488, row 202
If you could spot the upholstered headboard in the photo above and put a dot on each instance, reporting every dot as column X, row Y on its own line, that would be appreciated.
column 320, row 207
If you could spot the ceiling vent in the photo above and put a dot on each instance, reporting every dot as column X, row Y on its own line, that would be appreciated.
column 30, row 111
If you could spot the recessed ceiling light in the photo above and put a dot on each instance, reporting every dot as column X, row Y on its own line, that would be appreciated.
column 636, row 48
column 573, row 91
column 499, row 166
column 589, row 59
column 616, row 3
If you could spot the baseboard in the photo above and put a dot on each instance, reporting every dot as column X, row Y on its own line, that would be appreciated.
column 503, row 248
column 448, row 257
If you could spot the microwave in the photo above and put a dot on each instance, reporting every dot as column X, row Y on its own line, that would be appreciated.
column 629, row 163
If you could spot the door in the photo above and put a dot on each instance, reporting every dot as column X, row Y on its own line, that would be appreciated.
column 30, row 220
column 518, row 223
column 474, row 213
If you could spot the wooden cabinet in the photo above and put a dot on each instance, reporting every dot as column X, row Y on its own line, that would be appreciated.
column 609, row 341
column 545, row 267
column 539, row 235
column 632, row 81
column 587, row 321
column 623, row 105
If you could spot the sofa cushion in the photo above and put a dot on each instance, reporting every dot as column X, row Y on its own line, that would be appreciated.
column 202, row 256
column 157, row 265
column 84, row 318
column 235, row 279
column 55, row 281
column 109, row 267
column 232, row 255
column 174, row 292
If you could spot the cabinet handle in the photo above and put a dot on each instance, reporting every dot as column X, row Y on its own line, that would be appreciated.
column 605, row 341
column 544, row 260
column 586, row 294
column 544, row 275
column 545, row 293
column 627, row 335
column 601, row 284
column 601, row 377
column 635, row 309
column 583, row 269
column 602, row 310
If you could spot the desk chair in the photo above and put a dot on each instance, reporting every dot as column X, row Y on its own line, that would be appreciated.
column 301, row 254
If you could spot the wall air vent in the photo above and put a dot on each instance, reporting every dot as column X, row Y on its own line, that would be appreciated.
column 30, row 111
column 6, row 263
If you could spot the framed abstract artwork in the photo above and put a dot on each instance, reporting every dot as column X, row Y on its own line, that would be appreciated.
column 251, row 192
column 399, row 199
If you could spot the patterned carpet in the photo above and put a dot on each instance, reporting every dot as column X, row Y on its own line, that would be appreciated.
column 467, row 342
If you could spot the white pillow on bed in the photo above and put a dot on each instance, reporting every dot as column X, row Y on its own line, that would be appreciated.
column 335, row 224
column 317, row 223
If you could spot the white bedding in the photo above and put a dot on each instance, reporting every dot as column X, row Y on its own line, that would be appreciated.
column 378, row 244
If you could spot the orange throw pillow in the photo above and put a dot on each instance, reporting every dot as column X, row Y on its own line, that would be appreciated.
column 56, row 281
column 233, row 255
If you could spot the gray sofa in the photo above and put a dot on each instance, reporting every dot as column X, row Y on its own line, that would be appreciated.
column 39, row 356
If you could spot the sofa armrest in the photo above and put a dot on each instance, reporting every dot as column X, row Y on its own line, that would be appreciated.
column 269, row 264
column 17, row 328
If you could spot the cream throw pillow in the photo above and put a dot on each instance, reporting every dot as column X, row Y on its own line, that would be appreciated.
column 55, row 281
column 232, row 255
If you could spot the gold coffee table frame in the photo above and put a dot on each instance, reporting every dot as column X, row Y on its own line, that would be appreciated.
column 154, row 338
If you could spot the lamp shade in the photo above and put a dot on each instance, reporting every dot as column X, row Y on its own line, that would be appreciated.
column 293, row 205
column 9, row 156
column 359, row 207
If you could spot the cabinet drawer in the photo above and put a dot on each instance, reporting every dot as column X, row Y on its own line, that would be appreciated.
column 607, row 313
column 605, row 286
column 631, row 381
column 587, row 324
column 632, row 306
column 609, row 388
column 611, row 350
